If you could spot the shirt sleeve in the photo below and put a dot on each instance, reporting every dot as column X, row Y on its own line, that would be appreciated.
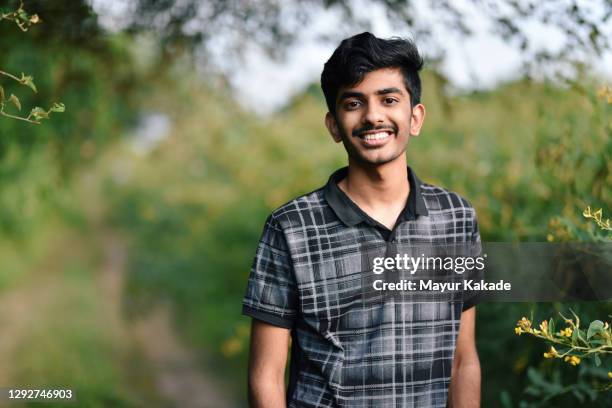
column 473, row 297
column 271, row 294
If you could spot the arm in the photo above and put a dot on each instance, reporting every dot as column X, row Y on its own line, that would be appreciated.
column 268, row 357
column 465, row 376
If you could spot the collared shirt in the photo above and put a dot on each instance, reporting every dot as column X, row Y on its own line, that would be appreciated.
column 352, row 346
column 351, row 215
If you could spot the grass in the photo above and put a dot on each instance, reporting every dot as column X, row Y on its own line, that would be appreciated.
column 65, row 334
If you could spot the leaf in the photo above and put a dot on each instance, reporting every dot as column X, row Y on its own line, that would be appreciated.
column 505, row 399
column 574, row 336
column 39, row 113
column 15, row 101
column 535, row 377
column 58, row 107
column 597, row 360
column 28, row 80
column 551, row 326
column 581, row 335
column 595, row 327
column 533, row 391
column 598, row 214
column 578, row 395
column 587, row 389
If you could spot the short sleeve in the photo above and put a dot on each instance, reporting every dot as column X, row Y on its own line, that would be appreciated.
column 473, row 297
column 271, row 294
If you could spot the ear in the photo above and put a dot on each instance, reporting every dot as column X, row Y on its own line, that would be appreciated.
column 417, row 118
column 332, row 127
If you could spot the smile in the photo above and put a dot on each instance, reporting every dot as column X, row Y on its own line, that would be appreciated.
column 376, row 138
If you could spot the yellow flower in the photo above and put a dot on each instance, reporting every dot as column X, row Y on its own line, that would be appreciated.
column 524, row 324
column 573, row 360
column 567, row 332
column 518, row 330
column 609, row 374
column 605, row 93
column 544, row 327
column 551, row 353
column 231, row 347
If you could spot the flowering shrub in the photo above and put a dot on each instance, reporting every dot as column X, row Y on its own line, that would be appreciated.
column 574, row 343
column 23, row 20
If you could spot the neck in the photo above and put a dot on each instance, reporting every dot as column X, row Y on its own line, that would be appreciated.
column 377, row 185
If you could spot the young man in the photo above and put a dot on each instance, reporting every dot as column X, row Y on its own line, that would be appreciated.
column 306, row 284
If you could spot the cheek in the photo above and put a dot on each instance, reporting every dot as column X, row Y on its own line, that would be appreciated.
column 404, row 122
column 347, row 123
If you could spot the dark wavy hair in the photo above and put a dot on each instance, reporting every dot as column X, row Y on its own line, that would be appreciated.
column 364, row 53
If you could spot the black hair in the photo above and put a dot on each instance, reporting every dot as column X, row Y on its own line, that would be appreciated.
column 364, row 53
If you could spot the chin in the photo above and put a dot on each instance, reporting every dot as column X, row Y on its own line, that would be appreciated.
column 377, row 160
column 373, row 157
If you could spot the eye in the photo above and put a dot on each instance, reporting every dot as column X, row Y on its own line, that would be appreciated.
column 352, row 105
column 390, row 101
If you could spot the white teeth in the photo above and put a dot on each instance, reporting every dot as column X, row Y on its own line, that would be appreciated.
column 376, row 136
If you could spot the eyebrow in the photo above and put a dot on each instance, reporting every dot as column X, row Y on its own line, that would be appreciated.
column 384, row 91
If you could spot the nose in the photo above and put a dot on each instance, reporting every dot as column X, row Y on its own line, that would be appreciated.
column 373, row 114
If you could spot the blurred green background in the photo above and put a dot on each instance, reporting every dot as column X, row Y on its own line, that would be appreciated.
column 129, row 222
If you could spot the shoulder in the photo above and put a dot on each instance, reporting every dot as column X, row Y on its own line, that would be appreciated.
column 306, row 209
column 440, row 199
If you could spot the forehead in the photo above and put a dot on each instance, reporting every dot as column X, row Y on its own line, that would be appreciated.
column 379, row 79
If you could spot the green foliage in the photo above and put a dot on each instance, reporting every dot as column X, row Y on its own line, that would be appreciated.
column 195, row 205
column 193, row 208
column 574, row 343
column 549, row 392
column 73, row 61
column 36, row 113
column 24, row 21
column 72, row 339
column 590, row 177
column 20, row 17
column 275, row 26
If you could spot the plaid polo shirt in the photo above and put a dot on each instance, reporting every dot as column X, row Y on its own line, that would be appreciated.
column 311, row 274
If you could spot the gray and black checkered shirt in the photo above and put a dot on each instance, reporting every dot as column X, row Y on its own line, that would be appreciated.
column 350, row 349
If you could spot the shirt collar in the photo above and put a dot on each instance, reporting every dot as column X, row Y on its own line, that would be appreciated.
column 350, row 214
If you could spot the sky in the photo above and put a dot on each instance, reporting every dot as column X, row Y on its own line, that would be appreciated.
column 479, row 62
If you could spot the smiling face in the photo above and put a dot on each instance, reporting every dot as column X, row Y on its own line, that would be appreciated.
column 374, row 119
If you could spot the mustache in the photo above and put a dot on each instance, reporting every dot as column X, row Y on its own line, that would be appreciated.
column 368, row 128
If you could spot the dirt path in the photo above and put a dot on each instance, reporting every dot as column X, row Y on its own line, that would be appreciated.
column 173, row 369
column 21, row 306
column 19, row 309
column 179, row 378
